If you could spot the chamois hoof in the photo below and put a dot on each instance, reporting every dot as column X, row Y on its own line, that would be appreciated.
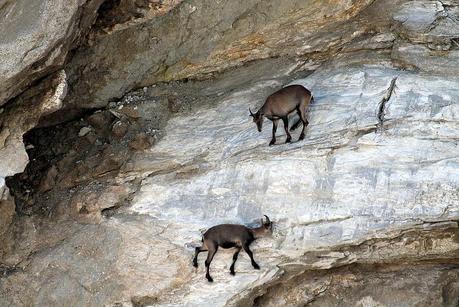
column 195, row 264
column 301, row 137
column 288, row 141
column 232, row 273
column 256, row 266
column 272, row 142
column 210, row 279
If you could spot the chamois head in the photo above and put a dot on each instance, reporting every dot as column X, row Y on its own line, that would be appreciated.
column 257, row 119
column 266, row 228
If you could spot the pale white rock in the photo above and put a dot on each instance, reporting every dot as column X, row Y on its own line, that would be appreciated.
column 419, row 15
column 345, row 181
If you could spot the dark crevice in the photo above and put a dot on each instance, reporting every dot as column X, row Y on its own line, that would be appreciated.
column 382, row 104
column 455, row 42
column 45, row 147
column 114, row 12
column 64, row 159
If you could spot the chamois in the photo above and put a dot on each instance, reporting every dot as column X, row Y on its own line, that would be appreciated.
column 280, row 104
column 227, row 236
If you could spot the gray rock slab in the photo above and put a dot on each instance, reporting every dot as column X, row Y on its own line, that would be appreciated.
column 35, row 39
column 347, row 180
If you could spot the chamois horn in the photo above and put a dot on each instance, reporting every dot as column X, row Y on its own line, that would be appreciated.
column 267, row 219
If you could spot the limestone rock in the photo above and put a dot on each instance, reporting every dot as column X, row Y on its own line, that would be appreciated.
column 130, row 112
column 6, row 208
column 49, row 181
column 201, row 37
column 119, row 129
column 88, row 205
column 84, row 131
column 22, row 115
column 100, row 120
column 141, row 141
column 36, row 37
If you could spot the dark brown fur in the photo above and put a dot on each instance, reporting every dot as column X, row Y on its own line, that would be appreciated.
column 280, row 104
column 228, row 236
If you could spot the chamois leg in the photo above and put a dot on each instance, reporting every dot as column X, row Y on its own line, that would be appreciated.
column 296, row 124
column 249, row 252
column 305, row 122
column 299, row 121
column 210, row 255
column 197, row 250
column 273, row 140
column 289, row 137
column 234, row 261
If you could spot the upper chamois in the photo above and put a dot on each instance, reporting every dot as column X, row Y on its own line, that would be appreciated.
column 280, row 104
column 231, row 235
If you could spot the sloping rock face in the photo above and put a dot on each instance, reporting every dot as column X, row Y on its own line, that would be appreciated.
column 340, row 185
column 202, row 37
column 15, row 120
column 36, row 37
column 366, row 208
column 374, row 193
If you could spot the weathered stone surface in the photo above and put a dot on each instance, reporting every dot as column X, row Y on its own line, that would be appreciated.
column 342, row 183
column 98, row 268
column 356, row 191
column 6, row 208
column 428, row 21
column 18, row 118
column 88, row 205
column 420, row 56
column 141, row 141
column 199, row 37
column 120, row 129
column 36, row 37
column 22, row 116
column 118, row 15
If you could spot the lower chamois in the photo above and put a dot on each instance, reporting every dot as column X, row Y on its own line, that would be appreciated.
column 280, row 104
column 227, row 236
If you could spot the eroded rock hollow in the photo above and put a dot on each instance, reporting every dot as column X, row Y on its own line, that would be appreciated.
column 124, row 133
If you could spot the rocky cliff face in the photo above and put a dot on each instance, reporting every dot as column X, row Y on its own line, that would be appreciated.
column 144, row 140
